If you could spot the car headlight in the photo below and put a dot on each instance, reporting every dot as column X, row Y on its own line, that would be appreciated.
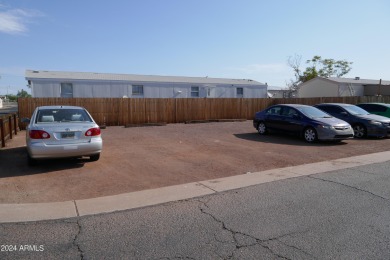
column 375, row 123
column 326, row 126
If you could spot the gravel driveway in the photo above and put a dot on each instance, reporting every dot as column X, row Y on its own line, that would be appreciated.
column 141, row 158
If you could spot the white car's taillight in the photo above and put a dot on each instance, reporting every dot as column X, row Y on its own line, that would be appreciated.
column 93, row 131
column 39, row 134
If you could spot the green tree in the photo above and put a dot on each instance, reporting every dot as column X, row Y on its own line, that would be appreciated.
column 22, row 93
column 11, row 97
column 317, row 67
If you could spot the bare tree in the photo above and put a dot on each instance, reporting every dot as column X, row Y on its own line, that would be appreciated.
column 295, row 63
column 317, row 67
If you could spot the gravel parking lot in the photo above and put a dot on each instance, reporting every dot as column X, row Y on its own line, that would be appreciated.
column 141, row 158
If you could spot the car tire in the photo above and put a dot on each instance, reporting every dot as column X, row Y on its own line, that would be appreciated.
column 31, row 161
column 94, row 158
column 359, row 130
column 262, row 128
column 310, row 135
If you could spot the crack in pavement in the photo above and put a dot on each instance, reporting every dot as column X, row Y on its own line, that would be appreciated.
column 291, row 246
column 75, row 238
column 177, row 257
column 349, row 186
column 207, row 187
column 239, row 237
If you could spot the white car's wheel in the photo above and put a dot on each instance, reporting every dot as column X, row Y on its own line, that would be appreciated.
column 94, row 157
column 31, row 161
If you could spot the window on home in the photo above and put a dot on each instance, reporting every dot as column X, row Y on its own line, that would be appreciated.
column 137, row 90
column 194, row 91
column 240, row 92
column 66, row 90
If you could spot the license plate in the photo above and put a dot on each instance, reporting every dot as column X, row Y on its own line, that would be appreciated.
column 71, row 147
column 67, row 135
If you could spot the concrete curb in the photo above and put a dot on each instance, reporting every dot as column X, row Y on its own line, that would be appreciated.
column 57, row 210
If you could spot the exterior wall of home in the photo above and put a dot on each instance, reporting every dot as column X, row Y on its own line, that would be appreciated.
column 351, row 90
column 115, row 89
column 318, row 88
column 374, row 90
column 45, row 89
column 281, row 93
column 324, row 88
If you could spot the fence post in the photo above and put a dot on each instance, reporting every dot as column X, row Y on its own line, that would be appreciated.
column 15, row 124
column 2, row 132
column 10, row 126
column 175, row 105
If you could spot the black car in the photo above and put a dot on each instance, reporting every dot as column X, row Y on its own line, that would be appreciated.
column 363, row 123
column 307, row 121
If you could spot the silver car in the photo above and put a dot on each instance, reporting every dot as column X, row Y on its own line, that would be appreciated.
column 62, row 131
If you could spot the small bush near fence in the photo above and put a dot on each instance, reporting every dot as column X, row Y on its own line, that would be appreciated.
column 126, row 111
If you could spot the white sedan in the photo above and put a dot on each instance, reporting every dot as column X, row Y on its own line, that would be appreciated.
column 60, row 132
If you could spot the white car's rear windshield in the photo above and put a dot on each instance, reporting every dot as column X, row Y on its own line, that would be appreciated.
column 62, row 115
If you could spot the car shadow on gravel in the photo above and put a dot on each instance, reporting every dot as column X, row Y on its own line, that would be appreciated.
column 276, row 138
column 13, row 162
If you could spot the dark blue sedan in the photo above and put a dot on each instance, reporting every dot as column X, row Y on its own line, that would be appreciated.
column 306, row 121
column 363, row 123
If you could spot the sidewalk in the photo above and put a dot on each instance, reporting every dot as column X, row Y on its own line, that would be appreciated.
column 77, row 208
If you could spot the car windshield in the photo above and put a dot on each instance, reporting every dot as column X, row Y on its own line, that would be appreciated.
column 62, row 115
column 313, row 112
column 355, row 110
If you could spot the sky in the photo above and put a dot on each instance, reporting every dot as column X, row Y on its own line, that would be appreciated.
column 245, row 39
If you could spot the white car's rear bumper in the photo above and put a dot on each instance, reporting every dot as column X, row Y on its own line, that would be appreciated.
column 40, row 150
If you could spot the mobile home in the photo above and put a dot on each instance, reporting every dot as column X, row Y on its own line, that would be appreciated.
column 100, row 85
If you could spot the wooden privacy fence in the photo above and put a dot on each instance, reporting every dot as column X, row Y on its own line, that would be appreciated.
column 8, row 127
column 123, row 111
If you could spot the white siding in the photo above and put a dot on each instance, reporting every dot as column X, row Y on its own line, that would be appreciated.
column 254, row 92
column 118, row 89
column 45, row 89
column 99, row 91
column 82, row 90
column 318, row 88
column 347, row 90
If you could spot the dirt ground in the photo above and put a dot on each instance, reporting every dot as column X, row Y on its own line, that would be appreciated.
column 141, row 158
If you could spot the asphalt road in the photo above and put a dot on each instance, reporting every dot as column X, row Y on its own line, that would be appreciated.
column 9, row 108
column 343, row 214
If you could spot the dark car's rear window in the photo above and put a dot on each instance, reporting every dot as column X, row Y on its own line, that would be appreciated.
column 355, row 110
column 373, row 107
column 62, row 115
